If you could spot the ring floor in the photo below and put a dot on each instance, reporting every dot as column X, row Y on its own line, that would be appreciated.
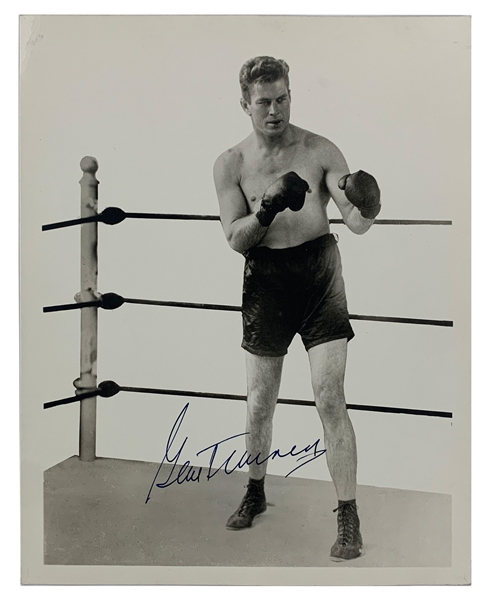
column 95, row 514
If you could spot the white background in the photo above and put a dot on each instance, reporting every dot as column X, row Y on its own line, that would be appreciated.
column 8, row 160
column 155, row 100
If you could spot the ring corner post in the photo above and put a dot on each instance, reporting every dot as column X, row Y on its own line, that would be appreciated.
column 89, row 323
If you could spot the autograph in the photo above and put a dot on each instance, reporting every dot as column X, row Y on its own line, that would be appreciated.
column 187, row 473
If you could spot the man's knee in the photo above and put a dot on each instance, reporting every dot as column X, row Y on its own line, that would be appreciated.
column 263, row 382
column 330, row 400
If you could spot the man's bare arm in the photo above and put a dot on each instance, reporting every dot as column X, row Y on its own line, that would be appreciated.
column 245, row 233
column 336, row 168
column 242, row 229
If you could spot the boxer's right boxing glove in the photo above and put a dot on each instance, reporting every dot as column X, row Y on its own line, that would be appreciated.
column 288, row 191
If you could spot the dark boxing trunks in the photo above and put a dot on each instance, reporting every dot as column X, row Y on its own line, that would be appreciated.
column 294, row 290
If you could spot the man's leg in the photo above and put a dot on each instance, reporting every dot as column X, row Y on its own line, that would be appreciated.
column 328, row 362
column 263, row 376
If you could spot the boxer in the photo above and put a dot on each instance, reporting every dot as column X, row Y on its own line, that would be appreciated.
column 274, row 188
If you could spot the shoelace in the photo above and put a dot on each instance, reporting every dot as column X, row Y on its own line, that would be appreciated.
column 250, row 500
column 346, row 523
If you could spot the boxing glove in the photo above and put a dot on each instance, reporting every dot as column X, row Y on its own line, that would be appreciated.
column 362, row 191
column 288, row 191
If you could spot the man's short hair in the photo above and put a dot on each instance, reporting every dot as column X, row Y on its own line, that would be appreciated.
column 262, row 69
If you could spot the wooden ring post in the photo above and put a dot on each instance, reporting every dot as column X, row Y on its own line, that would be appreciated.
column 88, row 292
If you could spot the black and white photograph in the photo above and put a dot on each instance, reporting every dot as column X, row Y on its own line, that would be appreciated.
column 245, row 299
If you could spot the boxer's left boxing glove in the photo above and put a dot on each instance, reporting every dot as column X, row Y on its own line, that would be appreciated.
column 362, row 190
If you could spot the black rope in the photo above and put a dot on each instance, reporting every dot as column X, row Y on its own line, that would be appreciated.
column 406, row 320
column 61, row 224
column 111, row 301
column 72, row 399
column 177, row 217
column 403, row 222
column 113, row 215
column 225, row 307
column 61, row 307
column 107, row 389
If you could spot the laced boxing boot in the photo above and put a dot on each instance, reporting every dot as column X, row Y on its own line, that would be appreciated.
column 349, row 543
column 253, row 503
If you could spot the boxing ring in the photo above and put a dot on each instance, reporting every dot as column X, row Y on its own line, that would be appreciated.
column 87, row 389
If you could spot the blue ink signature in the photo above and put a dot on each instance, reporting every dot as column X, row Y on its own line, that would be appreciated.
column 188, row 473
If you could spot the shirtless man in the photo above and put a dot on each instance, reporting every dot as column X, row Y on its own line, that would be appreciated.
column 273, row 190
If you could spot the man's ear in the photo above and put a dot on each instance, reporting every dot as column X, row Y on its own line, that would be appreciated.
column 244, row 106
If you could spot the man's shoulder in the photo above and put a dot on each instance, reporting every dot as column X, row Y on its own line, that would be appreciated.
column 228, row 165
column 314, row 141
column 320, row 149
column 231, row 158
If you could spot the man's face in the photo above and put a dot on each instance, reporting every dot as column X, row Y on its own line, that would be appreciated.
column 269, row 107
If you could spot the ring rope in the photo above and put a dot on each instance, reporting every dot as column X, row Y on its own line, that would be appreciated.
column 113, row 215
column 111, row 301
column 107, row 389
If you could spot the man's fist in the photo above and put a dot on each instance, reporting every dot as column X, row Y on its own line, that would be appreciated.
column 362, row 191
column 288, row 191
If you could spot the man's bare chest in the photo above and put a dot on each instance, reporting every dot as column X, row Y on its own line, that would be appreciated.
column 258, row 172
